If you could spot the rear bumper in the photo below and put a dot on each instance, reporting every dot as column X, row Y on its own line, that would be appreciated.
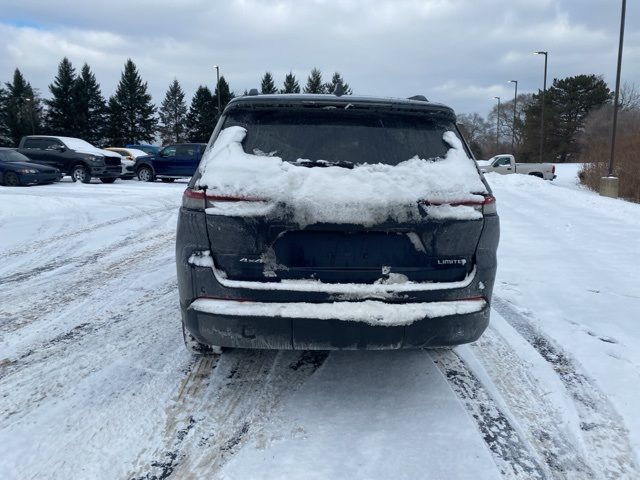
column 224, row 327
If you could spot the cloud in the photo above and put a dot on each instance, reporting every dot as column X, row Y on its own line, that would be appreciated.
column 460, row 52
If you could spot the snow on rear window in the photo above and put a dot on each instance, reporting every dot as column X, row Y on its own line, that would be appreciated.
column 367, row 194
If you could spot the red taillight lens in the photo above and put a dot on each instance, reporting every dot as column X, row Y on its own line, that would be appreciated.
column 487, row 206
column 196, row 199
column 193, row 199
column 218, row 198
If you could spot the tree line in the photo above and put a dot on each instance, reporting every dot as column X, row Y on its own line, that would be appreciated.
column 568, row 104
column 77, row 108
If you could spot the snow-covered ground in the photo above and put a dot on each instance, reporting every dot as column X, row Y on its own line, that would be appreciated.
column 95, row 381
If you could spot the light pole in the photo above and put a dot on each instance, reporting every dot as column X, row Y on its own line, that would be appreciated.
column 218, row 86
column 515, row 106
column 616, row 99
column 544, row 90
column 498, row 127
column 609, row 184
column 30, row 107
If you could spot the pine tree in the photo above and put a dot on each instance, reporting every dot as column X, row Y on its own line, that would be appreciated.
column 567, row 103
column 225, row 95
column 173, row 115
column 4, row 130
column 61, row 119
column 90, row 108
column 201, row 119
column 131, row 112
column 290, row 85
column 314, row 82
column 23, row 109
column 330, row 87
column 267, row 85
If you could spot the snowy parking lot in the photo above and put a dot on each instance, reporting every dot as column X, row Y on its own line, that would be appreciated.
column 95, row 381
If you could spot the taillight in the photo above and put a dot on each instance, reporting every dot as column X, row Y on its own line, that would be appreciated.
column 196, row 199
column 553, row 169
column 220, row 198
column 487, row 206
column 193, row 199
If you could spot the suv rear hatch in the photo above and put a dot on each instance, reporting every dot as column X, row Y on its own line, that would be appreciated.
column 317, row 193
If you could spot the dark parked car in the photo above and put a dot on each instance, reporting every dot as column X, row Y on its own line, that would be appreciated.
column 253, row 273
column 148, row 149
column 72, row 156
column 16, row 169
column 173, row 161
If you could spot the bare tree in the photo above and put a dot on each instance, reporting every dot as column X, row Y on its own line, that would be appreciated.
column 630, row 97
column 476, row 131
column 507, row 127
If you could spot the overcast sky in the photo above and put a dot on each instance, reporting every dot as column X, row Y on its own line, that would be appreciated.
column 459, row 52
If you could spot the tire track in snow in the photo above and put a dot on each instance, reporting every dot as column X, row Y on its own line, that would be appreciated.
column 75, row 260
column 601, row 426
column 46, row 243
column 525, row 399
column 75, row 284
column 52, row 348
column 510, row 452
column 222, row 403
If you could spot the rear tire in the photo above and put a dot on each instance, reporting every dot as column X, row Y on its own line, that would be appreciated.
column 145, row 174
column 196, row 348
column 80, row 173
column 536, row 174
column 11, row 179
column 168, row 180
column 107, row 180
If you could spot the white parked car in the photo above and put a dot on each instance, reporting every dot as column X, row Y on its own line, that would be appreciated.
column 506, row 164
column 129, row 156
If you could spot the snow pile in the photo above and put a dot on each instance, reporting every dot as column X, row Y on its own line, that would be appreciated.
column 368, row 194
column 371, row 312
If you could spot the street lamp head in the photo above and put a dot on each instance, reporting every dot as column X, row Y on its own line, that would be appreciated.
column 513, row 81
column 497, row 98
column 215, row 66
column 540, row 53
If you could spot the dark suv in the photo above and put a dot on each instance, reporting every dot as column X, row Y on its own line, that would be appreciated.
column 179, row 160
column 327, row 222
column 72, row 156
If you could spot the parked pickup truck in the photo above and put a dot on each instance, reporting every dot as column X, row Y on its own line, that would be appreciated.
column 179, row 160
column 72, row 156
column 505, row 164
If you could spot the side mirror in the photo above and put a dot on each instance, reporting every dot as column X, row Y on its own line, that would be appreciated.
column 60, row 148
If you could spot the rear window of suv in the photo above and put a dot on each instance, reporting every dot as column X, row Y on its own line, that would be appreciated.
column 343, row 135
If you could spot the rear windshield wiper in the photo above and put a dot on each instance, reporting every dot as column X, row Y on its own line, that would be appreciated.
column 323, row 163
